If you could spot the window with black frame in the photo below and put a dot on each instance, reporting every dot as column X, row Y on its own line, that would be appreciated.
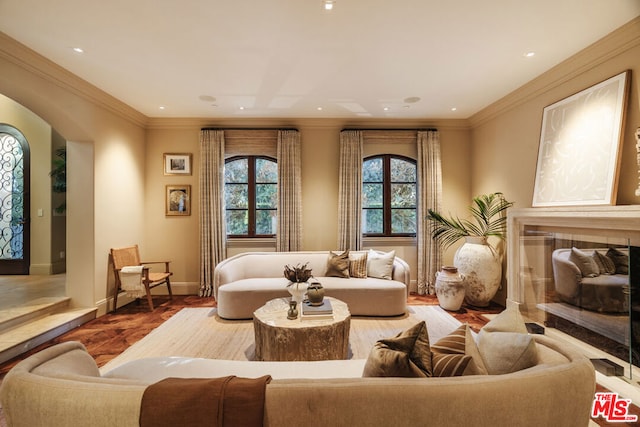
column 389, row 196
column 250, row 193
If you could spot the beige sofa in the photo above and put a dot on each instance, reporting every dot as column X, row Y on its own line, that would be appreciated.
column 587, row 288
column 244, row 282
column 62, row 386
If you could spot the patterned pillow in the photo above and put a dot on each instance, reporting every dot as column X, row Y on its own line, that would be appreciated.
column 457, row 354
column 358, row 265
column 405, row 355
column 338, row 265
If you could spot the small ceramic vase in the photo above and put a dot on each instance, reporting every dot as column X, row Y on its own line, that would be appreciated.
column 450, row 288
column 315, row 294
column 297, row 291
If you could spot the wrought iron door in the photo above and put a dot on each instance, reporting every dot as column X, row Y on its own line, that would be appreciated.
column 14, row 201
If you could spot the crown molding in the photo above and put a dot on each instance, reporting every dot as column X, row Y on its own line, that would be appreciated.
column 610, row 46
column 320, row 123
column 36, row 64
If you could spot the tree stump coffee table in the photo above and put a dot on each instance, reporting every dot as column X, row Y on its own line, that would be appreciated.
column 278, row 338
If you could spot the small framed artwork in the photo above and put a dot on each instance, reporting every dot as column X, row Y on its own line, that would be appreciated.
column 178, row 200
column 580, row 146
column 177, row 163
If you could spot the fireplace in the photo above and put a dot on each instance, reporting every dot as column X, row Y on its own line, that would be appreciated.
column 602, row 310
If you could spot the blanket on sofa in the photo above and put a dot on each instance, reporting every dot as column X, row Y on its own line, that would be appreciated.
column 189, row 402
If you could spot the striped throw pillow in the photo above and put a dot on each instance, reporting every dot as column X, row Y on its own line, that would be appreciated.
column 358, row 265
column 457, row 354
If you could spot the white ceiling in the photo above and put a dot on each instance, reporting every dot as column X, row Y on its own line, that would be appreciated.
column 286, row 58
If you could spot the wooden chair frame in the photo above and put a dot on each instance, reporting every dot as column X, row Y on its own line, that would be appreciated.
column 130, row 256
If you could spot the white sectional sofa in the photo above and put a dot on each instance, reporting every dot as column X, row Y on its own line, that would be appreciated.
column 62, row 386
column 244, row 282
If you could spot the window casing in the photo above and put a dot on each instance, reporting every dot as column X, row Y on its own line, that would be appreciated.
column 250, row 192
column 389, row 196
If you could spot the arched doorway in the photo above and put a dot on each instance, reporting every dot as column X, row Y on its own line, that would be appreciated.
column 14, row 201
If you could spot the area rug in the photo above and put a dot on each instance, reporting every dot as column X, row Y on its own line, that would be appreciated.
column 199, row 332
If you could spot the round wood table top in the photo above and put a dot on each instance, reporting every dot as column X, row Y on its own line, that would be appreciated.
column 280, row 338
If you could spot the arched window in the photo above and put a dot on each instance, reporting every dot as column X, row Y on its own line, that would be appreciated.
column 388, row 196
column 250, row 195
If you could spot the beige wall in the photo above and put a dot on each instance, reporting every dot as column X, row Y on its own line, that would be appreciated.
column 506, row 135
column 116, row 184
column 177, row 237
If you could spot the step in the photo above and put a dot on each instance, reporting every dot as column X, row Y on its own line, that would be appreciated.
column 11, row 317
column 36, row 331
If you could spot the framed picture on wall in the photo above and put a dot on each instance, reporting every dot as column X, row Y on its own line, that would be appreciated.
column 579, row 151
column 178, row 200
column 177, row 163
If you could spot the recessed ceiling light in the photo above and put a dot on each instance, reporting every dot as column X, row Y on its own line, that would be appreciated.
column 319, row 108
column 241, row 107
column 529, row 54
column 386, row 108
column 328, row 4
column 454, row 109
column 162, row 107
column 78, row 49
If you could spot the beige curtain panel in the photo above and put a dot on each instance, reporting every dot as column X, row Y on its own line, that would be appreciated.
column 430, row 197
column 350, row 191
column 289, row 232
column 212, row 224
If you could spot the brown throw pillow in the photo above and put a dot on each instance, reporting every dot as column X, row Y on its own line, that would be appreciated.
column 605, row 264
column 405, row 355
column 457, row 354
column 620, row 260
column 358, row 265
column 338, row 265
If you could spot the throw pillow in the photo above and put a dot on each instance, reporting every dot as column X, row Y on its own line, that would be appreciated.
column 338, row 265
column 358, row 265
column 405, row 355
column 605, row 264
column 585, row 263
column 620, row 260
column 505, row 345
column 380, row 265
column 457, row 354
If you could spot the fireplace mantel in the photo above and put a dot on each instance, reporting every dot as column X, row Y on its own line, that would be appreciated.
column 608, row 221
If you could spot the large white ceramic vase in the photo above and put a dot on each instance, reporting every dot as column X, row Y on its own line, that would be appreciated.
column 481, row 265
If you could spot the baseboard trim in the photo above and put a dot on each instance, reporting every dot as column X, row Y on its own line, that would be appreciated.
column 105, row 306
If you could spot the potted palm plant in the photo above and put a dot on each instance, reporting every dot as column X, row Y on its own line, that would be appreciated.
column 476, row 259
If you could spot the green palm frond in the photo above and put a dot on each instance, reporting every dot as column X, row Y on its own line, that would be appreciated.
column 485, row 208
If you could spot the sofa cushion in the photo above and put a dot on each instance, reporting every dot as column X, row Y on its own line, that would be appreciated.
column 380, row 265
column 605, row 264
column 457, row 354
column 338, row 264
column 358, row 265
column 585, row 262
column 620, row 260
column 505, row 345
column 405, row 355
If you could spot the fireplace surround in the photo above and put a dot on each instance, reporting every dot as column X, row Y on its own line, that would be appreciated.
column 535, row 233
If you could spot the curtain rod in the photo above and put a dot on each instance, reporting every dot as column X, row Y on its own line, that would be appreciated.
column 227, row 128
column 391, row 129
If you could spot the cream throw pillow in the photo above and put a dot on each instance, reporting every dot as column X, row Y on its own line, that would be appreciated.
column 505, row 345
column 585, row 262
column 380, row 265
